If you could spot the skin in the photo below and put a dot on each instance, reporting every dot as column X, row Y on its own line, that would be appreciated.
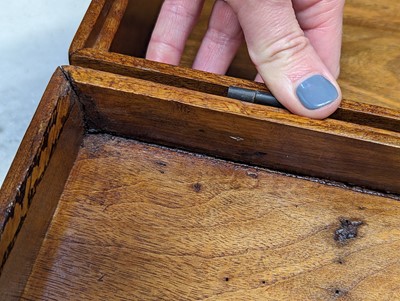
column 288, row 41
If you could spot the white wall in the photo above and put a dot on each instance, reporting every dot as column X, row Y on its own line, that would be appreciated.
column 34, row 40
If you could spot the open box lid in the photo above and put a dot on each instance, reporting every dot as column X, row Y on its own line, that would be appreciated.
column 114, row 35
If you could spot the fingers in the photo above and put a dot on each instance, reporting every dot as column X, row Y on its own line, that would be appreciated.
column 321, row 22
column 285, row 58
column 221, row 41
column 175, row 22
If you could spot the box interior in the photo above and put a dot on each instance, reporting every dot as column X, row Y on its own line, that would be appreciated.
column 142, row 221
column 139, row 221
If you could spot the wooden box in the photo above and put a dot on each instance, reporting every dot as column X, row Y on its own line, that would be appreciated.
column 146, row 183
column 91, row 211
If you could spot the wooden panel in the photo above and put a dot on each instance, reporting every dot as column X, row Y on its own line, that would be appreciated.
column 371, row 47
column 166, row 225
column 239, row 131
column 35, row 181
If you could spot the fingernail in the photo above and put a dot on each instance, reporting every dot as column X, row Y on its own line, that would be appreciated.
column 316, row 92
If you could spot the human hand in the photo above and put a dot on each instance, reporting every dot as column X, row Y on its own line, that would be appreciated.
column 294, row 44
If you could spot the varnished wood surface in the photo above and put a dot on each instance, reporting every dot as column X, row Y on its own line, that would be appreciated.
column 370, row 57
column 111, row 24
column 370, row 65
column 138, row 222
column 90, row 26
column 32, row 159
column 238, row 131
column 349, row 111
column 35, row 182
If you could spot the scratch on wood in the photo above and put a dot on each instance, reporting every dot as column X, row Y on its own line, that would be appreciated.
column 236, row 138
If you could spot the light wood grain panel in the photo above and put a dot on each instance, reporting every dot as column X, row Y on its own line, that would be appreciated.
column 138, row 222
column 371, row 52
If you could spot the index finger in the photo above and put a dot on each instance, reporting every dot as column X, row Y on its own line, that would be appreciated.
column 174, row 25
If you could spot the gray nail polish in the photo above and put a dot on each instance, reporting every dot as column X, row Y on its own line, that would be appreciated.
column 316, row 92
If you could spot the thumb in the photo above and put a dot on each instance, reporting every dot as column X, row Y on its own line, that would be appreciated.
column 285, row 58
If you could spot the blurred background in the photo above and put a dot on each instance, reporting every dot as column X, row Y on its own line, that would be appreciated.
column 34, row 40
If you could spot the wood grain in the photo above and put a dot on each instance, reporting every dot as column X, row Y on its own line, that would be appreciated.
column 370, row 57
column 371, row 52
column 349, row 111
column 238, row 131
column 31, row 160
column 166, row 225
column 35, row 182
column 90, row 26
column 111, row 24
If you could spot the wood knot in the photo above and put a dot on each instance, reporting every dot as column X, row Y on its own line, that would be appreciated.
column 348, row 229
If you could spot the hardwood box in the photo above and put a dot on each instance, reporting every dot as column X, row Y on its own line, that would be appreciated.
column 143, row 181
column 127, row 189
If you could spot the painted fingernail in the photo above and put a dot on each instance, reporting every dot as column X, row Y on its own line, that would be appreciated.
column 316, row 92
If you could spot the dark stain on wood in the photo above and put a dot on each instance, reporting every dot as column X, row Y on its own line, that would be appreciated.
column 348, row 229
column 100, row 279
column 197, row 187
column 161, row 163
column 339, row 260
column 339, row 293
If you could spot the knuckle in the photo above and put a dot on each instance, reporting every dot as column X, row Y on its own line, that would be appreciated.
column 221, row 37
column 288, row 47
column 179, row 9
